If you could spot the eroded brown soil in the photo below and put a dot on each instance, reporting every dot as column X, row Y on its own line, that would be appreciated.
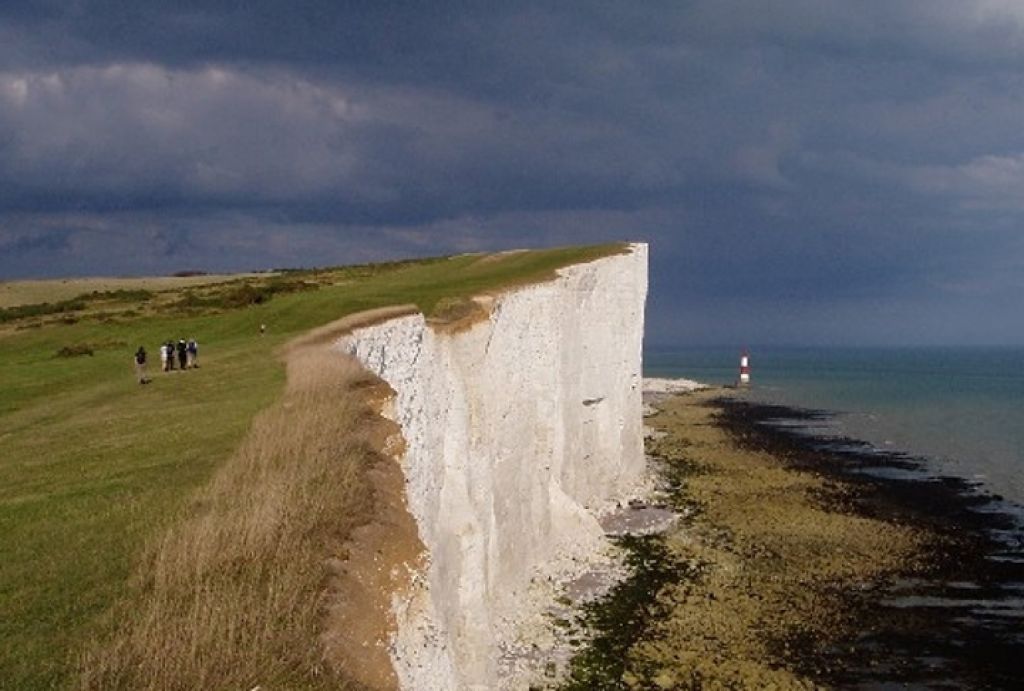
column 380, row 558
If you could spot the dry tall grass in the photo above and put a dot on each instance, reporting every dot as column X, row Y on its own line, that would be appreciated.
column 234, row 595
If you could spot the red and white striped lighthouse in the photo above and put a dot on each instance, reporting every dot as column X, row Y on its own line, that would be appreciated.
column 744, row 368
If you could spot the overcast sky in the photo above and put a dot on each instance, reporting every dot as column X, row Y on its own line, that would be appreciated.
column 806, row 171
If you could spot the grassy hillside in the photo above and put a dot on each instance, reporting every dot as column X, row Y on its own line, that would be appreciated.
column 13, row 293
column 94, row 467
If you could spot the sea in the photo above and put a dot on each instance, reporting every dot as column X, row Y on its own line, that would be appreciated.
column 961, row 409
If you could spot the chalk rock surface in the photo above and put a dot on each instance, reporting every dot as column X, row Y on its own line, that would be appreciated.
column 519, row 430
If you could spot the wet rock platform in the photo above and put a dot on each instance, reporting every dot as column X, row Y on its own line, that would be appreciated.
column 800, row 562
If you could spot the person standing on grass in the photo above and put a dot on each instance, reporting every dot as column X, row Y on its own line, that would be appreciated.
column 163, row 356
column 193, row 351
column 182, row 353
column 140, row 365
column 170, row 355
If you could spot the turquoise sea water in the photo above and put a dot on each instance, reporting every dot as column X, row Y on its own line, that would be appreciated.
column 961, row 408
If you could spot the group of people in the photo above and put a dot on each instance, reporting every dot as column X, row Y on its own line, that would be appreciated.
column 186, row 352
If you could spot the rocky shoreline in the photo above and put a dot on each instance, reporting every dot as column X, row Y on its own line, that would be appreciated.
column 802, row 563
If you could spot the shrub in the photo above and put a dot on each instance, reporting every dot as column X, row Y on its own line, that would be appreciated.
column 122, row 295
column 244, row 295
column 75, row 350
column 8, row 314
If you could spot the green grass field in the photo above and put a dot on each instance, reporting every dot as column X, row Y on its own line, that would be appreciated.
column 93, row 465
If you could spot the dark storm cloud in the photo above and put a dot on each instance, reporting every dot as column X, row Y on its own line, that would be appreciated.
column 819, row 158
column 46, row 242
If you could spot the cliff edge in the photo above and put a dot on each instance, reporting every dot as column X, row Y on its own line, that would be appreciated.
column 520, row 427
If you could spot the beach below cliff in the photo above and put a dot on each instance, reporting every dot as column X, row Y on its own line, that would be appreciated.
column 794, row 564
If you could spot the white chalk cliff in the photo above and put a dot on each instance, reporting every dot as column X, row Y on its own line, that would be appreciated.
column 519, row 429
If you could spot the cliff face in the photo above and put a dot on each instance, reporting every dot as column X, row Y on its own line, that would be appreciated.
column 517, row 429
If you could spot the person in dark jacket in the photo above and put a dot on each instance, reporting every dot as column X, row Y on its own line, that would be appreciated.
column 182, row 353
column 140, row 365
